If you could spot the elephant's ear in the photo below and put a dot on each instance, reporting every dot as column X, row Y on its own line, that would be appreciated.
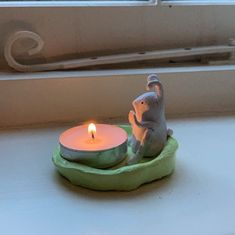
column 153, row 83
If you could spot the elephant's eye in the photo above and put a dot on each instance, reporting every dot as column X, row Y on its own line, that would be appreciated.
column 142, row 102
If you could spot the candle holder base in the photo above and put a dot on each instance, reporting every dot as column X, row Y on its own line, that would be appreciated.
column 121, row 177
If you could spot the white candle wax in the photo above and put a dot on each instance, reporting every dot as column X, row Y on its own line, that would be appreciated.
column 106, row 137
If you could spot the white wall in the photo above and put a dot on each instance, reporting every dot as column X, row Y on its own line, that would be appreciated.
column 76, row 97
column 77, row 30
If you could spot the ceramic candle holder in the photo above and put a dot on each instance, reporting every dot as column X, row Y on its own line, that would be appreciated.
column 149, row 130
column 149, row 154
column 120, row 177
column 105, row 148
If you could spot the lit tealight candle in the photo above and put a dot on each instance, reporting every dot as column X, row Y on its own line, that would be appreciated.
column 97, row 145
column 92, row 130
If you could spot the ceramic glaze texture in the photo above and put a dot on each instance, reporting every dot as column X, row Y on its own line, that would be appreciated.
column 148, row 122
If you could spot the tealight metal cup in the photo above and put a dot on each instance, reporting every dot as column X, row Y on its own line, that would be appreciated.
column 97, row 159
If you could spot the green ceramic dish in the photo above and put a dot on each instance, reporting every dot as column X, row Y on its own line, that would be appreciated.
column 121, row 177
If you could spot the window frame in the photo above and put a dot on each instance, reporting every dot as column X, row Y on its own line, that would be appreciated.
column 196, row 2
column 115, row 3
column 174, row 80
column 77, row 3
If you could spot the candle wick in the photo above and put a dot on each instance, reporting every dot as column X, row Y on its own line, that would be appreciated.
column 92, row 135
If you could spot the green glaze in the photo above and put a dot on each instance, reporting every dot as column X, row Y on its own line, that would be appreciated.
column 121, row 177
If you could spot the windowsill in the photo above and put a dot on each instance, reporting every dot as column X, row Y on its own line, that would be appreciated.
column 77, row 3
column 200, row 193
column 12, row 75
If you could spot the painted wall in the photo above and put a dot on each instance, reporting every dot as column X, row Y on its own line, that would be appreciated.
column 74, row 97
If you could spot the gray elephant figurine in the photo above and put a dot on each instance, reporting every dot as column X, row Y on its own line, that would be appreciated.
column 149, row 130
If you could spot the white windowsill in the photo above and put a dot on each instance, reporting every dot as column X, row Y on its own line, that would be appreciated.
column 198, row 198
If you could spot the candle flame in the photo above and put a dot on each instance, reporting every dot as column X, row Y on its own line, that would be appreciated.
column 92, row 130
